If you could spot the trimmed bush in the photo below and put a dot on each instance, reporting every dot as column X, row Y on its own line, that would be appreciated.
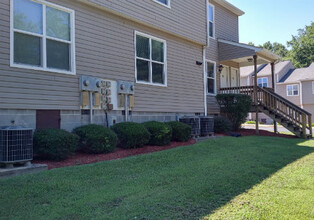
column 222, row 124
column 54, row 144
column 96, row 139
column 180, row 132
column 131, row 135
column 160, row 133
column 235, row 107
column 251, row 122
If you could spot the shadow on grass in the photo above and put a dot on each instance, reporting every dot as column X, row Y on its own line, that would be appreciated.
column 182, row 183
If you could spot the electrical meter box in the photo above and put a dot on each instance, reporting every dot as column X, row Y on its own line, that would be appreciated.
column 125, row 87
column 90, row 84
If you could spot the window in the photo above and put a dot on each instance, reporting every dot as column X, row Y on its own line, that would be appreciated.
column 163, row 2
column 313, row 87
column 150, row 56
column 42, row 36
column 292, row 90
column 211, row 21
column 262, row 82
column 211, row 77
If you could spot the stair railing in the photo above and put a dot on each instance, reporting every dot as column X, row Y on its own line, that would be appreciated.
column 278, row 105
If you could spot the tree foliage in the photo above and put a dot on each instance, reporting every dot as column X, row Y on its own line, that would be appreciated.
column 276, row 48
column 302, row 47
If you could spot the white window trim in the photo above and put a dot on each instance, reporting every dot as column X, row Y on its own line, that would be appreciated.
column 215, row 77
column 293, row 90
column 150, row 61
column 214, row 25
column 44, row 37
column 166, row 5
column 312, row 87
column 263, row 81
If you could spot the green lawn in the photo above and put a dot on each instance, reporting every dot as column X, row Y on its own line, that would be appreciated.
column 225, row 178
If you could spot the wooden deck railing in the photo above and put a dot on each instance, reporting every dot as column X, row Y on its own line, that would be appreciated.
column 278, row 105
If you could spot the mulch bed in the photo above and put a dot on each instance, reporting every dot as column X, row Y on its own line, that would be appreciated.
column 82, row 158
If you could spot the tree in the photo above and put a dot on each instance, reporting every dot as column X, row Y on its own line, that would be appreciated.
column 302, row 47
column 276, row 48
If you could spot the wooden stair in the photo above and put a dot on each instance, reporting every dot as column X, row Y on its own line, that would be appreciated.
column 281, row 110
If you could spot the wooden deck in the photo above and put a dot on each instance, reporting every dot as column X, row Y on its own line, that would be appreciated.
column 281, row 110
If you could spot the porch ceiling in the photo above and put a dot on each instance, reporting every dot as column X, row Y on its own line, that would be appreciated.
column 240, row 54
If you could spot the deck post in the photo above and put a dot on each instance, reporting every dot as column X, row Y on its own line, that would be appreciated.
column 304, row 126
column 255, row 93
column 273, row 87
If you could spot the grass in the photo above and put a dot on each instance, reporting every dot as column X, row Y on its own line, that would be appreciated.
column 225, row 178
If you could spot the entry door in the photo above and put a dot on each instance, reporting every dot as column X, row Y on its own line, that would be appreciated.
column 234, row 77
column 224, row 77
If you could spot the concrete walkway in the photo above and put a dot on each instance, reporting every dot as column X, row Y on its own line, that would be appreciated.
column 266, row 127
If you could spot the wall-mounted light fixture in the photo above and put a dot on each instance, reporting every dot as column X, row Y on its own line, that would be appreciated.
column 220, row 68
column 250, row 60
column 199, row 63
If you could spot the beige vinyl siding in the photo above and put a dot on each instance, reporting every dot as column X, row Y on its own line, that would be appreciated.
column 244, row 81
column 184, row 18
column 308, row 96
column 104, row 48
column 282, row 91
column 226, row 27
column 228, row 52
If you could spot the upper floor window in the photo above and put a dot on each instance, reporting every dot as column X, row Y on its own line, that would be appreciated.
column 150, row 56
column 262, row 82
column 211, row 21
column 211, row 77
column 42, row 36
column 163, row 2
column 293, row 90
column 313, row 87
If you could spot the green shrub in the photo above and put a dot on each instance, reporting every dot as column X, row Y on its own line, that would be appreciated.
column 250, row 122
column 54, row 144
column 96, row 139
column 235, row 107
column 131, row 135
column 160, row 133
column 180, row 132
column 222, row 124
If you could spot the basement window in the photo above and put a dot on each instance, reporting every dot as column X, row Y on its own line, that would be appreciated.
column 150, row 58
column 42, row 36
column 293, row 90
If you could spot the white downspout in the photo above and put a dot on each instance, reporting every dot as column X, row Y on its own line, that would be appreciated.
column 301, row 95
column 205, row 83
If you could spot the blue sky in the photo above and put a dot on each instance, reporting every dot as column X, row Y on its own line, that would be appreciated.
column 273, row 20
